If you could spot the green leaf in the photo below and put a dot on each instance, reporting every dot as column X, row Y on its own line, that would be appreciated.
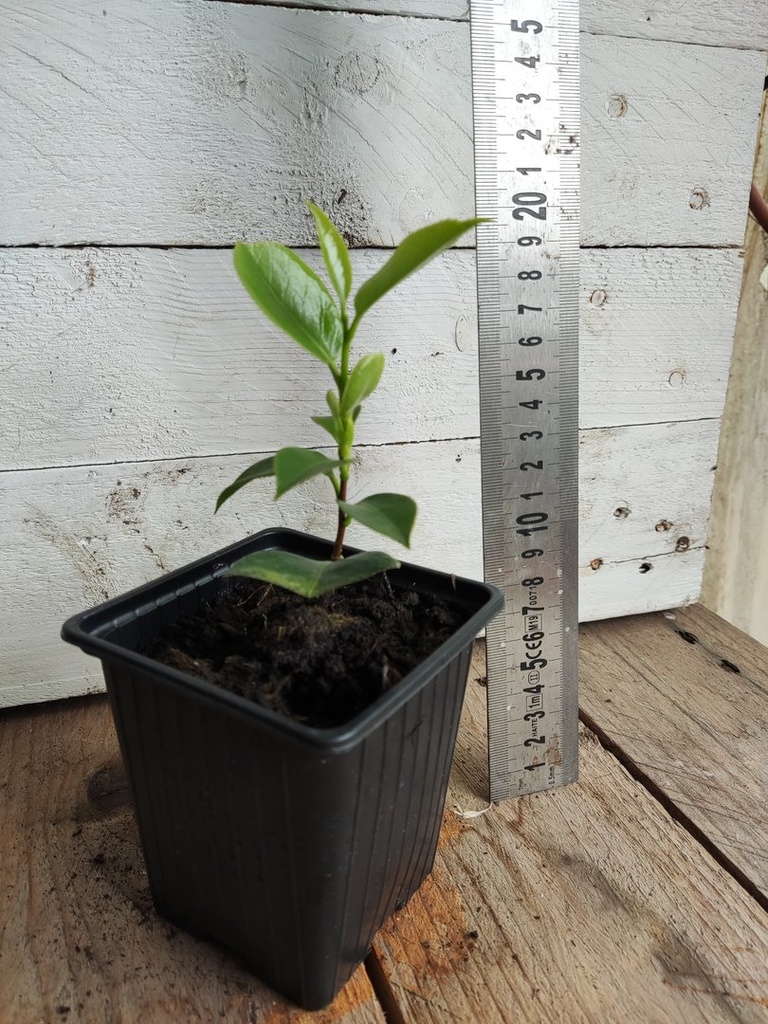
column 362, row 382
column 307, row 576
column 295, row 465
column 328, row 423
column 333, row 403
column 334, row 251
column 292, row 296
column 412, row 253
column 265, row 467
column 390, row 514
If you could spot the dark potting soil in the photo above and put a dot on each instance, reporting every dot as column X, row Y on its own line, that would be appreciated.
column 321, row 661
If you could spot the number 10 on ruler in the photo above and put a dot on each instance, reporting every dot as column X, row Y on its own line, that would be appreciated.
column 526, row 111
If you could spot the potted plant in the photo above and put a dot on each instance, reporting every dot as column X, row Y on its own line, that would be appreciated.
column 287, row 809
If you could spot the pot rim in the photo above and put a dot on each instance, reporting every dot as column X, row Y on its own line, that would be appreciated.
column 92, row 630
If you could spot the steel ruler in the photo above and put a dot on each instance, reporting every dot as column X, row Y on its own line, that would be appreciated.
column 525, row 78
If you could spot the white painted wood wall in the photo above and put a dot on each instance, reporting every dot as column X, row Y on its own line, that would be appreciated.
column 140, row 139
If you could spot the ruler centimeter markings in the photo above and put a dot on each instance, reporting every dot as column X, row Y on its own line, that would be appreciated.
column 525, row 84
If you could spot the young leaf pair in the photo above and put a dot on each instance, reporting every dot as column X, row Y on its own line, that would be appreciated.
column 297, row 301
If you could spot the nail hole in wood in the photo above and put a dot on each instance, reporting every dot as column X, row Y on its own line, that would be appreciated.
column 616, row 106
column 690, row 638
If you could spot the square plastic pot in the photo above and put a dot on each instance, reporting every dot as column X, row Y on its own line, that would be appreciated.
column 289, row 845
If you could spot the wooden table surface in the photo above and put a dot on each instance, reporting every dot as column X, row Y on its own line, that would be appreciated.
column 639, row 894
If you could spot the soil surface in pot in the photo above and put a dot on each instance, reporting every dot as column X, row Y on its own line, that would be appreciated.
column 320, row 662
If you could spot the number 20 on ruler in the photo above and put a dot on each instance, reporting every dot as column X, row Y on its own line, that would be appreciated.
column 529, row 207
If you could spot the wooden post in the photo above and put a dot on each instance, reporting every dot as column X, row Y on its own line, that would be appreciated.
column 736, row 569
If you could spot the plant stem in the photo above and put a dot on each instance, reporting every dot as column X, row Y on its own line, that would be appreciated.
column 345, row 449
column 342, row 523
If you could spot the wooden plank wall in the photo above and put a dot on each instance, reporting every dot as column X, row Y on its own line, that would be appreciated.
column 736, row 571
column 142, row 139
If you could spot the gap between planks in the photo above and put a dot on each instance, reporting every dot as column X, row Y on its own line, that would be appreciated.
column 396, row 1007
column 191, row 457
column 340, row 8
column 683, row 703
column 673, row 809
column 584, row 905
column 372, row 245
column 677, row 42
column 592, row 13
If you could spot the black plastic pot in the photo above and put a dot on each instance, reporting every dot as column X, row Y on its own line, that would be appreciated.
column 289, row 845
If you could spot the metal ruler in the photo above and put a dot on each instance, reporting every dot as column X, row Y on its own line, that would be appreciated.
column 525, row 77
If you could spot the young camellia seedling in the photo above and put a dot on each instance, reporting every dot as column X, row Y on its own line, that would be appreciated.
column 298, row 302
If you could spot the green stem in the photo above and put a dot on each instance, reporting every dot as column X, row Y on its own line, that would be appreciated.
column 349, row 334
column 345, row 449
column 341, row 527
column 345, row 347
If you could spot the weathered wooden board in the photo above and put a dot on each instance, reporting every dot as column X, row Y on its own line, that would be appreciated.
column 80, row 942
column 588, row 904
column 261, row 106
column 628, row 586
column 736, row 572
column 672, row 464
column 212, row 121
column 583, row 905
column 685, row 698
column 78, row 535
column 733, row 23
column 663, row 161
column 717, row 23
column 120, row 354
column 655, row 333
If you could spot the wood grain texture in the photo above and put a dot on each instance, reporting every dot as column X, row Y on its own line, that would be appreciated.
column 656, row 330
column 80, row 942
column 617, row 588
column 661, row 161
column 736, row 23
column 587, row 905
column 685, row 698
column 261, row 106
column 212, row 121
column 121, row 354
column 73, row 537
column 732, row 23
column 621, row 467
column 736, row 573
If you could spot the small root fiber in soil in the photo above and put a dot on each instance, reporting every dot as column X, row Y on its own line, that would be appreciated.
column 320, row 662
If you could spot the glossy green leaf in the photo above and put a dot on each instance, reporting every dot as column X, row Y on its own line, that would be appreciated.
column 390, row 514
column 257, row 471
column 334, row 251
column 412, row 253
column 328, row 423
column 362, row 382
column 307, row 576
column 295, row 465
column 292, row 296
